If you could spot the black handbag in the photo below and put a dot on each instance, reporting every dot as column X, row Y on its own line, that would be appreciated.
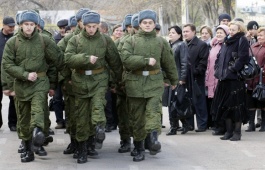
column 181, row 105
column 251, row 69
column 259, row 91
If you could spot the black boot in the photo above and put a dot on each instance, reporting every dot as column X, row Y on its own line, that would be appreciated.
column 100, row 136
column 251, row 126
column 172, row 131
column 82, row 150
column 41, row 151
column 71, row 147
column 155, row 145
column 91, row 147
column 38, row 137
column 48, row 139
column 229, row 132
column 186, row 127
column 237, row 132
column 262, row 127
column 134, row 151
column 28, row 155
column 125, row 146
column 21, row 147
column 139, row 145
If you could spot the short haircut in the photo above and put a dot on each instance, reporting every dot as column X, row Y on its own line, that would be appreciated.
column 104, row 25
column 209, row 30
column 192, row 27
column 240, row 25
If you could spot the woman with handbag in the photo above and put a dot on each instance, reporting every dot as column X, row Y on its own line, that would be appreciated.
column 252, row 103
column 180, row 52
column 229, row 102
column 210, row 80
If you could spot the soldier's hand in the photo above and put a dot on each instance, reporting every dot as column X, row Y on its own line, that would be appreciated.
column 32, row 76
column 165, row 84
column 152, row 61
column 12, row 93
column 173, row 87
column 93, row 59
column 51, row 92
column 7, row 92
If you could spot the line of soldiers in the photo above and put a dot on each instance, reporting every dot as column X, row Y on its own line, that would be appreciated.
column 85, row 58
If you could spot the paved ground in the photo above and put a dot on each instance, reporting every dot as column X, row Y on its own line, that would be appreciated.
column 193, row 151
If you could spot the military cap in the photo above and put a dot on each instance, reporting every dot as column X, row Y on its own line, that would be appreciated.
column 29, row 16
column 90, row 17
column 72, row 22
column 147, row 14
column 79, row 13
column 62, row 23
column 134, row 21
column 128, row 20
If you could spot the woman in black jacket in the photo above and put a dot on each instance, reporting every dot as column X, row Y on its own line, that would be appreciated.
column 180, row 51
column 229, row 102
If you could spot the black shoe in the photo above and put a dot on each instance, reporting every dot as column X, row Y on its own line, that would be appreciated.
column 236, row 137
column 82, row 149
column 227, row 136
column 71, row 148
column 13, row 128
column 108, row 129
column 134, row 152
column 257, row 125
column 179, row 128
column 100, row 137
column 41, row 151
column 139, row 145
column 200, row 130
column 172, row 131
column 155, row 145
column 27, row 155
column 91, row 147
column 51, row 132
column 163, row 126
column 125, row 146
column 38, row 137
column 218, row 132
column 48, row 139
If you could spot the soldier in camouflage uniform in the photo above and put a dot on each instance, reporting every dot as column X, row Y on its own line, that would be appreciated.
column 88, row 53
column 124, row 129
column 143, row 56
column 26, row 59
column 69, row 98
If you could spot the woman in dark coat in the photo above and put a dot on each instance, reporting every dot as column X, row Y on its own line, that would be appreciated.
column 180, row 51
column 229, row 102
column 253, row 104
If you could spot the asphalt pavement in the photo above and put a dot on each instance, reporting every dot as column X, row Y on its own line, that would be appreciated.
column 192, row 151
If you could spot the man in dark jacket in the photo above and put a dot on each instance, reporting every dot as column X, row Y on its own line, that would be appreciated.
column 6, row 33
column 198, row 56
column 58, row 97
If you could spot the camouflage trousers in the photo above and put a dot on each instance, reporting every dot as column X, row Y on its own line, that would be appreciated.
column 70, row 114
column 124, row 128
column 145, row 116
column 31, row 114
column 90, row 113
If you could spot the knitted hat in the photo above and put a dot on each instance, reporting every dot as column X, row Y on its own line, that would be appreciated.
column 225, row 28
column 252, row 25
column 42, row 24
column 147, row 14
column 62, row 23
column 78, row 15
column 134, row 21
column 29, row 16
column 224, row 16
column 128, row 20
column 72, row 22
column 90, row 17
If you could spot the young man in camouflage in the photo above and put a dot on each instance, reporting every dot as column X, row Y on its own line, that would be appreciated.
column 26, row 59
column 143, row 56
column 88, row 53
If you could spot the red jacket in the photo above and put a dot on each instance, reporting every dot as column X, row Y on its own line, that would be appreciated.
column 259, row 53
